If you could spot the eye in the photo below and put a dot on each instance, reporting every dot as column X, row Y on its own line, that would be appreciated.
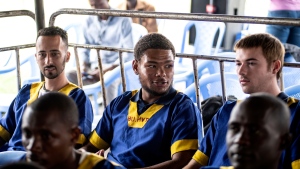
column 238, row 64
column 26, row 133
column 45, row 135
column 169, row 66
column 251, row 63
column 233, row 128
column 151, row 66
column 42, row 55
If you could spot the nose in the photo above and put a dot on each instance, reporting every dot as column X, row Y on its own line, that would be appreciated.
column 242, row 138
column 160, row 72
column 34, row 144
column 241, row 69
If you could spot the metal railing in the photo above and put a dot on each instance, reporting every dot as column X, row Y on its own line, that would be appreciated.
column 176, row 16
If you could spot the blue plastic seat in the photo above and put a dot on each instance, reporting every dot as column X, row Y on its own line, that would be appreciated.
column 10, row 66
column 290, row 76
column 211, row 86
column 293, row 91
column 131, row 79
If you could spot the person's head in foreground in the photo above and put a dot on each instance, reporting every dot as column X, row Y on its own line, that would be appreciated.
column 259, row 60
column 52, row 51
column 154, row 56
column 258, row 132
column 50, row 131
column 21, row 165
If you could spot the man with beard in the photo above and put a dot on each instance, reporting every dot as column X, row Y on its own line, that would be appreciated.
column 259, row 61
column 155, row 126
column 51, row 56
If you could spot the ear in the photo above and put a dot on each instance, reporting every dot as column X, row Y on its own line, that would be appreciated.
column 75, row 132
column 276, row 66
column 285, row 141
column 135, row 66
column 68, row 56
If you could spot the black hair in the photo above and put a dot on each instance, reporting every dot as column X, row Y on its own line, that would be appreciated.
column 57, row 102
column 152, row 41
column 53, row 31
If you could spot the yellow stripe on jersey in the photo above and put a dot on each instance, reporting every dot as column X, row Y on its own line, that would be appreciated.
column 68, row 88
column 292, row 100
column 138, row 121
column 201, row 158
column 4, row 134
column 98, row 142
column 182, row 145
column 296, row 164
column 34, row 91
column 81, row 139
column 90, row 161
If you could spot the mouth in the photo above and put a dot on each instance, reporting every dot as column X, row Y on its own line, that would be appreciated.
column 49, row 68
column 160, row 83
column 244, row 81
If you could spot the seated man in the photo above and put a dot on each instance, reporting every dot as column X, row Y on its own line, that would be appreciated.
column 141, row 5
column 106, row 31
column 49, row 132
column 51, row 56
column 155, row 126
column 257, row 133
column 259, row 61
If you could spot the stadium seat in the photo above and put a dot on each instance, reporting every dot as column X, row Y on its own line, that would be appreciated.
column 293, row 91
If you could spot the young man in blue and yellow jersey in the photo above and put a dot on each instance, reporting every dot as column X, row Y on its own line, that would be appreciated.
column 257, row 133
column 51, row 56
column 155, row 126
column 259, row 61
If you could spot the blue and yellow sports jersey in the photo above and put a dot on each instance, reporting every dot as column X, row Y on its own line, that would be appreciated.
column 10, row 123
column 213, row 150
column 143, row 135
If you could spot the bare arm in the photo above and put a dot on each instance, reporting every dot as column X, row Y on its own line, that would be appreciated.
column 193, row 164
column 179, row 160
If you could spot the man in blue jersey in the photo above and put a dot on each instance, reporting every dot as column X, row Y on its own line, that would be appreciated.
column 155, row 126
column 50, row 130
column 257, row 133
column 259, row 60
column 51, row 56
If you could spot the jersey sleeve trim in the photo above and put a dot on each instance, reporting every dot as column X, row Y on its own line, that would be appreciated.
column 296, row 164
column 182, row 145
column 97, row 141
column 201, row 158
column 81, row 139
column 4, row 134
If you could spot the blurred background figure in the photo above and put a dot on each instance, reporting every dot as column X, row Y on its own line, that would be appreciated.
column 141, row 5
column 286, row 34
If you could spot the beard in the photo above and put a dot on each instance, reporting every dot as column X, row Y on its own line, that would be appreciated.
column 51, row 75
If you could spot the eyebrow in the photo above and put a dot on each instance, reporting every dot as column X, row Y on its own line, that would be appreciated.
column 168, row 61
column 50, row 51
column 250, row 59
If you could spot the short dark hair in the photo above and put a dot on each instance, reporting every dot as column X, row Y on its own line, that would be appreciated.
column 152, row 41
column 53, row 31
column 63, row 105
column 271, row 47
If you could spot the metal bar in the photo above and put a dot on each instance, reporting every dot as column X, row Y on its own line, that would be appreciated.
column 177, row 16
column 196, row 80
column 18, row 68
column 17, row 47
column 100, row 47
column 40, row 16
column 4, row 14
column 101, row 77
column 223, row 83
column 122, row 72
column 79, row 77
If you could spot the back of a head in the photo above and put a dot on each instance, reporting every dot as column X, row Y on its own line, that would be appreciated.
column 56, row 102
column 152, row 41
column 271, row 47
column 269, row 106
column 54, row 31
